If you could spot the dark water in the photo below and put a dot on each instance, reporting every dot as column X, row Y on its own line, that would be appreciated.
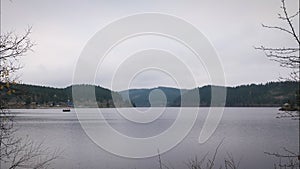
column 247, row 134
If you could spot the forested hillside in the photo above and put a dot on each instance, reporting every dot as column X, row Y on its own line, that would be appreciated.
column 32, row 96
column 270, row 94
column 140, row 97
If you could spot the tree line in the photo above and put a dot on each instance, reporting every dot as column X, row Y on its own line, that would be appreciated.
column 253, row 95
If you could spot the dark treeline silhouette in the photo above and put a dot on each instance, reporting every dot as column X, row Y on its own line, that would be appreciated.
column 32, row 96
column 272, row 94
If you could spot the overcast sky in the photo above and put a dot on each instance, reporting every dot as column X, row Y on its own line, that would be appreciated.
column 61, row 29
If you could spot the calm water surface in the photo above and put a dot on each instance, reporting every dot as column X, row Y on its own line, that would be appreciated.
column 247, row 134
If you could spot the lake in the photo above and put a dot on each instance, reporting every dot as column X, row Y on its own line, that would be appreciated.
column 246, row 133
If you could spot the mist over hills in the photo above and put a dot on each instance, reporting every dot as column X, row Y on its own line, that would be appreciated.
column 272, row 94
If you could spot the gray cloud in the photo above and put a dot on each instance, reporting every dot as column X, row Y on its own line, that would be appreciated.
column 62, row 28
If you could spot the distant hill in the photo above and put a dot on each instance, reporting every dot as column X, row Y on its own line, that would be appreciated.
column 270, row 94
column 254, row 95
column 140, row 97
column 32, row 96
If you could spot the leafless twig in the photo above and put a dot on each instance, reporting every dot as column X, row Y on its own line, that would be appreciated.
column 287, row 56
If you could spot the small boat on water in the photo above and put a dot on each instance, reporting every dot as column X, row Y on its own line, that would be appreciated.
column 69, row 105
column 66, row 110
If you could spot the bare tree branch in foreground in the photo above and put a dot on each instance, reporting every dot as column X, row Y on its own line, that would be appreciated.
column 205, row 162
column 12, row 48
column 288, row 57
column 286, row 159
column 16, row 152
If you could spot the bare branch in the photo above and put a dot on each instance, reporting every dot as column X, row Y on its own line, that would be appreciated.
column 277, row 27
column 287, row 57
column 286, row 159
column 16, row 152
column 289, row 21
